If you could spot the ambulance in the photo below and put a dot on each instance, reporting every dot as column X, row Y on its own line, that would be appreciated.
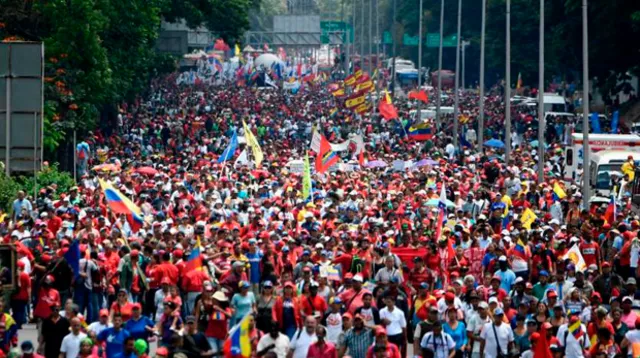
column 597, row 142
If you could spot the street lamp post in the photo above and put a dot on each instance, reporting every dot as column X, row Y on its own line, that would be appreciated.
column 464, row 60
column 586, row 176
column 457, row 78
column 507, row 88
column 438, row 94
column 541, row 124
column 480, row 133
column 419, row 108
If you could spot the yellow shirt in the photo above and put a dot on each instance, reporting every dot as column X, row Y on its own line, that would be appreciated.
column 629, row 169
column 507, row 203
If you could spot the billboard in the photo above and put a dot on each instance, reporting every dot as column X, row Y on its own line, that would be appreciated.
column 21, row 106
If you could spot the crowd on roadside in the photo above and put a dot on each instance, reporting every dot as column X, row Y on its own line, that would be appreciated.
column 366, row 266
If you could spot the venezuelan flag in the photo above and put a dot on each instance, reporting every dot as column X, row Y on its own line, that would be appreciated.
column 521, row 250
column 576, row 329
column 420, row 132
column 558, row 192
column 333, row 112
column 238, row 344
column 194, row 260
column 10, row 332
column 120, row 204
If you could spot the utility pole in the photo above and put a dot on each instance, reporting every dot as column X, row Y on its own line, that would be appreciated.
column 393, row 65
column 353, row 44
column 507, row 89
column 541, row 124
column 439, row 92
column 464, row 58
column 457, row 78
column 419, row 108
column 362, row 35
column 481, row 85
column 369, row 37
column 378, row 40
column 586, row 176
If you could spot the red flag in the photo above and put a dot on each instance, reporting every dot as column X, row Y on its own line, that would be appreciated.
column 387, row 109
column 361, row 158
column 542, row 345
column 610, row 214
column 326, row 157
column 421, row 95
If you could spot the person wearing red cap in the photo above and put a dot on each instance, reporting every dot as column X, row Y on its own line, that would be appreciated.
column 287, row 310
column 47, row 297
column 101, row 324
column 382, row 346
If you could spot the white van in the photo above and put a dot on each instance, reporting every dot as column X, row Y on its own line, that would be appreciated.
column 604, row 165
column 597, row 143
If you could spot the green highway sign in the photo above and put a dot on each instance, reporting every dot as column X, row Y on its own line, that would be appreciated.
column 408, row 40
column 386, row 38
column 327, row 27
column 433, row 40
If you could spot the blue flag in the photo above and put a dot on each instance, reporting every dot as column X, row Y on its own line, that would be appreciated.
column 595, row 123
column 614, row 122
column 230, row 150
column 73, row 257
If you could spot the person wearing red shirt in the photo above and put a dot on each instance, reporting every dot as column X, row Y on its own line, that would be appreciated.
column 193, row 284
column 383, row 346
column 312, row 304
column 20, row 299
column 345, row 259
column 418, row 274
column 590, row 251
column 321, row 348
column 122, row 306
column 47, row 297
column 167, row 269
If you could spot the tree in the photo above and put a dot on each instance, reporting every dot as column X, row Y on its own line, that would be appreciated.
column 99, row 53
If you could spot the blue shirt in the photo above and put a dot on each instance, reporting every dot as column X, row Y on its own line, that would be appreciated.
column 507, row 277
column 137, row 329
column 115, row 341
column 459, row 335
column 254, row 265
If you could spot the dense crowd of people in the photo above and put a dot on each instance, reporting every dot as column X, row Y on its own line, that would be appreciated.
column 365, row 267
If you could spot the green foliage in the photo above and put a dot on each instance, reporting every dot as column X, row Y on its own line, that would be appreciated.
column 614, row 27
column 227, row 18
column 102, row 52
column 8, row 190
column 46, row 177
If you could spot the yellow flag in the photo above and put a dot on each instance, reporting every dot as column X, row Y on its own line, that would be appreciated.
column 527, row 218
column 238, row 52
column 253, row 143
column 306, row 179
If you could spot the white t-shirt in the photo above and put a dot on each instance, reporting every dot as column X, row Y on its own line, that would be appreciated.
column 300, row 344
column 633, row 336
column 505, row 335
column 573, row 347
column 396, row 320
column 71, row 344
column 281, row 344
column 98, row 327
column 475, row 326
column 27, row 264
column 439, row 344
column 334, row 327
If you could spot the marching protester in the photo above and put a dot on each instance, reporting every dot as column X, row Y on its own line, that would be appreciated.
column 340, row 232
